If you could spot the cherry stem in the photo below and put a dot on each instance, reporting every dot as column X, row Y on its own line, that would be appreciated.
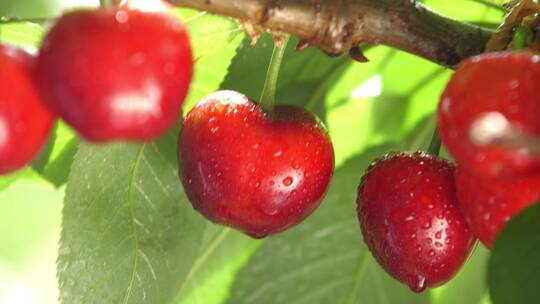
column 435, row 144
column 520, row 38
column 268, row 96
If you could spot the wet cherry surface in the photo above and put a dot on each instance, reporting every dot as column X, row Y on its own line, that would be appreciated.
column 409, row 218
column 242, row 168
column 489, row 203
column 502, row 84
column 24, row 122
column 116, row 73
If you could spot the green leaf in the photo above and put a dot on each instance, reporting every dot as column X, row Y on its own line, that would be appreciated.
column 514, row 266
column 129, row 233
column 57, row 170
column 323, row 260
column 381, row 101
column 55, row 159
column 214, row 40
column 36, row 9
column 469, row 286
column 22, row 34
column 302, row 74
column 223, row 253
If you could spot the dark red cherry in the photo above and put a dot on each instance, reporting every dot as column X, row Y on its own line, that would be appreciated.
column 258, row 173
column 489, row 96
column 489, row 203
column 410, row 221
column 116, row 73
column 25, row 123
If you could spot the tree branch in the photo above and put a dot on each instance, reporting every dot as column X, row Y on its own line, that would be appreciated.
column 335, row 26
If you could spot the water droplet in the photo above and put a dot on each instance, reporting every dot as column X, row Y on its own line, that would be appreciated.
column 121, row 16
column 255, row 146
column 417, row 283
column 137, row 58
column 431, row 253
column 278, row 153
column 214, row 129
column 296, row 165
column 409, row 218
column 287, row 181
column 514, row 84
column 271, row 211
column 427, row 225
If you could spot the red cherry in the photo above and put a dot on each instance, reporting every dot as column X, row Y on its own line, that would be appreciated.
column 410, row 221
column 258, row 173
column 488, row 203
column 25, row 123
column 500, row 89
column 116, row 73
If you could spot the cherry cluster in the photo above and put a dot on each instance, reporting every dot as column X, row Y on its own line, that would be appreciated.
column 420, row 214
column 117, row 73
column 122, row 73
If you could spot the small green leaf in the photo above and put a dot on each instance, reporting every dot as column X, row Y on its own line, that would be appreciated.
column 514, row 266
column 129, row 234
column 57, row 170
column 55, row 159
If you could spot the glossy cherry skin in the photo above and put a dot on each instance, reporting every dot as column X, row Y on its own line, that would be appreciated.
column 25, row 123
column 489, row 203
column 410, row 221
column 243, row 168
column 116, row 73
column 498, row 83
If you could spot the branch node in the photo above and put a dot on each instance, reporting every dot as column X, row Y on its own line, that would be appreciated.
column 357, row 54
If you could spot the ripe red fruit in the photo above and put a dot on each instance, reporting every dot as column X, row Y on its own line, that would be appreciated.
column 410, row 221
column 116, row 73
column 24, row 122
column 488, row 203
column 258, row 173
column 501, row 88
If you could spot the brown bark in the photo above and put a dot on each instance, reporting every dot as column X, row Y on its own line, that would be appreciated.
column 336, row 26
